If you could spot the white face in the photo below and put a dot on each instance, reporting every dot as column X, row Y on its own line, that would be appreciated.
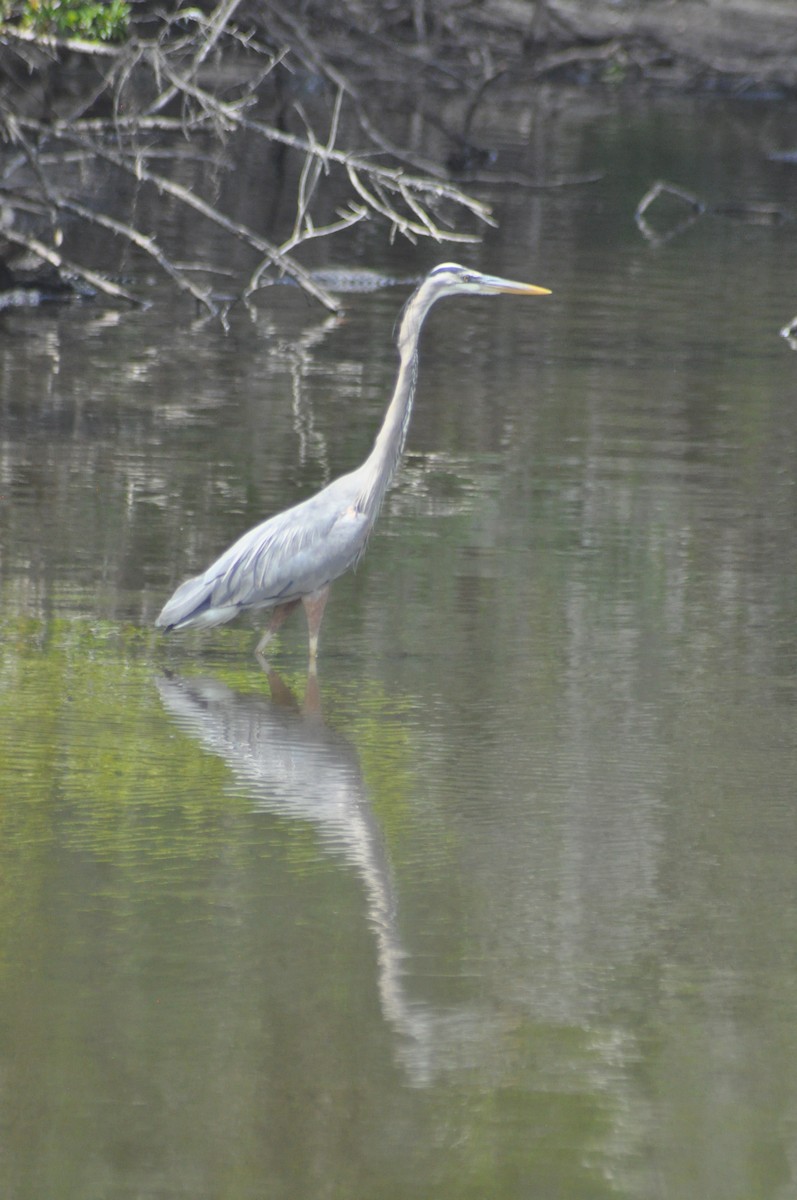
column 452, row 279
column 449, row 278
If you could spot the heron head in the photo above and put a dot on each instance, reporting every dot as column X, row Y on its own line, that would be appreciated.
column 451, row 279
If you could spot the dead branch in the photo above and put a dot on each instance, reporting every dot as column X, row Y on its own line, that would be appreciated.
column 695, row 206
column 754, row 213
column 386, row 179
column 213, row 30
column 58, row 203
column 185, row 196
column 789, row 332
column 12, row 36
column 67, row 267
column 145, row 242
column 175, row 84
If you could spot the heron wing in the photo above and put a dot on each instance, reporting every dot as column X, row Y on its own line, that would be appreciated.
column 284, row 559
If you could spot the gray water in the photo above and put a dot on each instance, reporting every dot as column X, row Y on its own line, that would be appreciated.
column 507, row 907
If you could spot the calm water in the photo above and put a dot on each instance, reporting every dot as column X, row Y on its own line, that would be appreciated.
column 508, row 907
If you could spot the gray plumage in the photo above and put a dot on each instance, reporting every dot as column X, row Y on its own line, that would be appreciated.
column 296, row 555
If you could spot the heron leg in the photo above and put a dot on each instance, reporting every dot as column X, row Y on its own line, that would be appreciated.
column 314, row 606
column 278, row 617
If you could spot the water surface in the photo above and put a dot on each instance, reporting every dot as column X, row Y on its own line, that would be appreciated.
column 506, row 906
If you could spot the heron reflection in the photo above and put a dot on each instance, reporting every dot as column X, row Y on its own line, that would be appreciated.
column 294, row 765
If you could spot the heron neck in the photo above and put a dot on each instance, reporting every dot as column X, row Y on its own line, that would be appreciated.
column 380, row 466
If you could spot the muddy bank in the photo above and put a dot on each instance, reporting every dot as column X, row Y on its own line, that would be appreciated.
column 743, row 43
column 718, row 45
column 725, row 45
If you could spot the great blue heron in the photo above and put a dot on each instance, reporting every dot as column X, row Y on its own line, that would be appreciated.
column 294, row 556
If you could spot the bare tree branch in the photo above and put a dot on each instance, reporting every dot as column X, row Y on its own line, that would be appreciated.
column 52, row 256
column 146, row 243
column 177, row 83
column 135, row 166
column 11, row 35
column 215, row 27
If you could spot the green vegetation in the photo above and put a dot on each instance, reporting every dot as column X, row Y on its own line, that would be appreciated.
column 107, row 22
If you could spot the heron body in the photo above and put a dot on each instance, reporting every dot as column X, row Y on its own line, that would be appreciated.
column 294, row 556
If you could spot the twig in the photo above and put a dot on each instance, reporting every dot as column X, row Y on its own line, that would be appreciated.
column 383, row 179
column 346, row 221
column 32, row 156
column 311, row 170
column 48, row 254
column 759, row 214
column 144, row 242
column 394, row 178
column 185, row 196
column 660, row 188
column 436, row 189
column 789, row 332
column 305, row 46
column 216, row 24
